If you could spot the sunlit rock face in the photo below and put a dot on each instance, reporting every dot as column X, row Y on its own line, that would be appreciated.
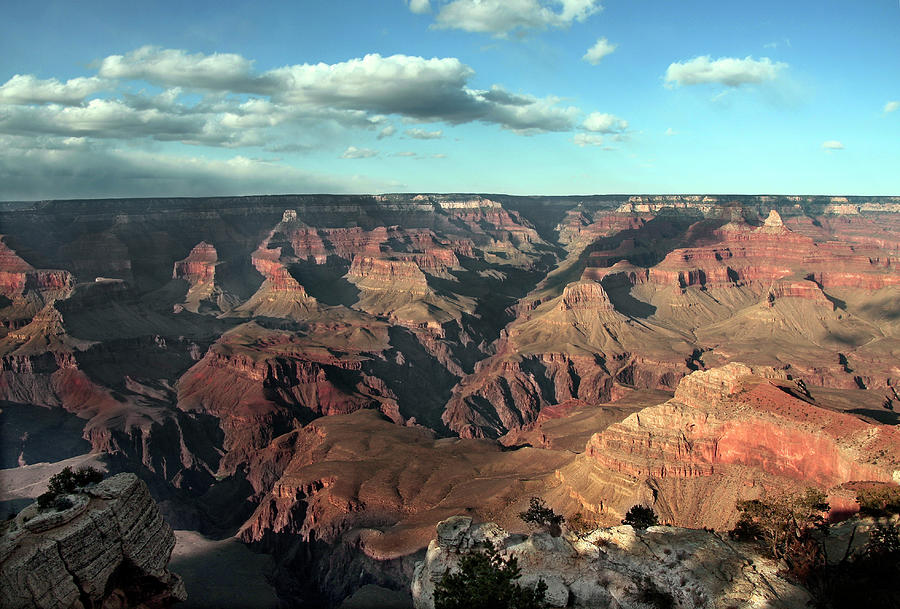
column 618, row 567
column 739, row 430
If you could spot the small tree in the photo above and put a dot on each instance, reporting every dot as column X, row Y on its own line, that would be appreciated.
column 538, row 514
column 486, row 580
column 62, row 483
column 641, row 517
column 67, row 482
column 782, row 522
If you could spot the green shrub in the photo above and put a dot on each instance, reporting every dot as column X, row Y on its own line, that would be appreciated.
column 45, row 500
column 486, row 580
column 63, row 503
column 65, row 483
column 641, row 517
column 580, row 526
column 87, row 475
column 782, row 521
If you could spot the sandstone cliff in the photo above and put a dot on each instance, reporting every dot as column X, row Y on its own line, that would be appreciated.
column 619, row 568
column 729, row 433
column 109, row 549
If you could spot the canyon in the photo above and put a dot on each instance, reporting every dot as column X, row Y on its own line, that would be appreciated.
column 326, row 378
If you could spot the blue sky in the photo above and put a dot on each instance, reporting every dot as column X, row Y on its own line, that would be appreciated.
column 104, row 99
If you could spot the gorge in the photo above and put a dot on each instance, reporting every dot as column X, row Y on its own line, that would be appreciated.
column 326, row 378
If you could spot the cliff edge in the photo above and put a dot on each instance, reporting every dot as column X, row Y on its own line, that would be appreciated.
column 109, row 549
column 619, row 567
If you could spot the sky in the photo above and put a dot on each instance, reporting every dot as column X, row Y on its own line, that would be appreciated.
column 113, row 99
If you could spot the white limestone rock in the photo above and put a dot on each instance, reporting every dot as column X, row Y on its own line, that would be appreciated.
column 621, row 568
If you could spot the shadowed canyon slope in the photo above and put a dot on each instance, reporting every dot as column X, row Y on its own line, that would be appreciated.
column 333, row 375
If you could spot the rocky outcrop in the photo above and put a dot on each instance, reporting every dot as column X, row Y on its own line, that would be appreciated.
column 387, row 275
column 619, row 567
column 725, row 429
column 109, row 549
column 199, row 266
column 17, row 276
column 199, row 270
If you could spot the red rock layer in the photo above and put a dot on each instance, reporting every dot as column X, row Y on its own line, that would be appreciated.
column 17, row 276
column 580, row 228
column 771, row 252
column 806, row 290
column 257, row 395
column 278, row 279
column 423, row 246
column 199, row 266
column 730, row 417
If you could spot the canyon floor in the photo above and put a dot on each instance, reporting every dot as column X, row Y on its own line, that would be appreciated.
column 325, row 378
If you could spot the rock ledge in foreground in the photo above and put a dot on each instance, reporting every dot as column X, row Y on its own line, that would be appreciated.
column 109, row 550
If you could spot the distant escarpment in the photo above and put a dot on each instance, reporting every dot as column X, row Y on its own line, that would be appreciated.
column 108, row 548
column 639, row 302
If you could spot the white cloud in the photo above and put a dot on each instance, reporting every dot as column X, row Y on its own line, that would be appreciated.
column 832, row 145
column 352, row 152
column 500, row 17
column 176, row 67
column 728, row 71
column 587, row 139
column 406, row 153
column 601, row 49
column 420, row 6
column 421, row 134
column 891, row 106
column 604, row 123
column 26, row 89
column 533, row 115
column 220, row 100
column 102, row 118
column 670, row 132
column 358, row 93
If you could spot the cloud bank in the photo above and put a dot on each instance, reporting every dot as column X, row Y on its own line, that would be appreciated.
column 151, row 96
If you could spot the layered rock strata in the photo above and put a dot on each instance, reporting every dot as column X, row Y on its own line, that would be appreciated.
column 729, row 433
column 109, row 549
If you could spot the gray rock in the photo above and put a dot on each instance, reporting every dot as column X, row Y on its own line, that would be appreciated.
column 112, row 545
column 620, row 568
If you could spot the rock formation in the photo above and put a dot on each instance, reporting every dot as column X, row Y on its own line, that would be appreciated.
column 619, row 567
column 729, row 433
column 110, row 549
column 199, row 270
